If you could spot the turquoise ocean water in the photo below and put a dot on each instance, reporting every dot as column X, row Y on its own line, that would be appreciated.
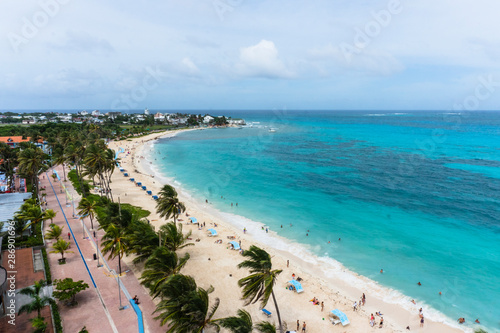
column 416, row 194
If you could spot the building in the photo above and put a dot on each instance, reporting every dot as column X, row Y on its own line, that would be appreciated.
column 96, row 113
column 207, row 119
column 159, row 116
column 13, row 141
column 146, row 111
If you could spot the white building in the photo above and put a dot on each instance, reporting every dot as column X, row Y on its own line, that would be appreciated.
column 96, row 113
column 84, row 113
column 207, row 119
column 159, row 116
column 146, row 111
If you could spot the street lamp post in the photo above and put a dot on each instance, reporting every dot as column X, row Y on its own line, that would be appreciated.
column 73, row 202
column 97, row 250
column 119, row 290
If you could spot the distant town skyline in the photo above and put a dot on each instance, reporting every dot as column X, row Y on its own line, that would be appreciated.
column 249, row 55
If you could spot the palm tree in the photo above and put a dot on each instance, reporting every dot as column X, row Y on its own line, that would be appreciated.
column 8, row 158
column 242, row 323
column 116, row 243
column 258, row 286
column 54, row 232
column 162, row 264
column 34, row 214
column 88, row 207
column 38, row 302
column 60, row 159
column 31, row 164
column 265, row 327
column 172, row 237
column 143, row 240
column 50, row 214
column 168, row 204
column 185, row 307
column 61, row 246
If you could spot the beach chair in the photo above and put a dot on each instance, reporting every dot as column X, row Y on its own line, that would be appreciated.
column 267, row 312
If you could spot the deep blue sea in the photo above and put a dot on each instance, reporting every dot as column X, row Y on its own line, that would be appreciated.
column 416, row 194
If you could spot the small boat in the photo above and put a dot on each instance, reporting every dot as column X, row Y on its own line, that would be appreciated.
column 272, row 130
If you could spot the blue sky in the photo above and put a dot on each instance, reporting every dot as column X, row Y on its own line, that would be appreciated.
column 242, row 54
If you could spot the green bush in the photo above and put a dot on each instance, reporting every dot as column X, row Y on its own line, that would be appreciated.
column 76, row 183
column 48, row 274
column 56, row 315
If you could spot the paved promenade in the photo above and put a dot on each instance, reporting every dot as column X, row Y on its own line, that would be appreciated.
column 98, row 306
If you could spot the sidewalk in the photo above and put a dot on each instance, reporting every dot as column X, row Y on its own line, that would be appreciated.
column 98, row 307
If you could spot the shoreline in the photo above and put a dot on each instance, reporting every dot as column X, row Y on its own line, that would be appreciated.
column 317, row 282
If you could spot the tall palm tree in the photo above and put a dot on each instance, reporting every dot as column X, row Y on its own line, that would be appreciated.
column 162, row 264
column 31, row 164
column 168, row 204
column 88, row 207
column 33, row 214
column 143, row 240
column 242, row 323
column 8, row 158
column 186, row 307
column 61, row 246
column 116, row 243
column 171, row 236
column 50, row 214
column 258, row 286
column 38, row 302
column 54, row 232
column 60, row 159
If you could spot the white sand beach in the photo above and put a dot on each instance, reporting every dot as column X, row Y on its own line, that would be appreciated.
column 215, row 264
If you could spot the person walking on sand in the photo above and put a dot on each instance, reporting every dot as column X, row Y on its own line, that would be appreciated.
column 355, row 306
column 422, row 322
column 322, row 306
column 298, row 324
column 304, row 327
column 69, row 235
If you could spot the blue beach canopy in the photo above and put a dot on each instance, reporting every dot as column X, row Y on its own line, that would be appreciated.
column 149, row 192
column 132, row 179
column 341, row 316
column 155, row 197
column 139, row 183
column 213, row 231
column 236, row 246
column 122, row 169
column 193, row 219
column 144, row 187
column 296, row 284
column 125, row 174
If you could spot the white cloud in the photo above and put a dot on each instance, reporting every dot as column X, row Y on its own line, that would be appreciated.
column 261, row 60
column 189, row 67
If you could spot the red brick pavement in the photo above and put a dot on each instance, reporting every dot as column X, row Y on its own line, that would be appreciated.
column 90, row 311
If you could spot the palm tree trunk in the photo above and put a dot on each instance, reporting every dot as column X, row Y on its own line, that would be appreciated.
column 119, row 265
column 277, row 312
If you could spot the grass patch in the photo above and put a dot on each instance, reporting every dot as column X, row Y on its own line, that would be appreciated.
column 56, row 316
column 48, row 274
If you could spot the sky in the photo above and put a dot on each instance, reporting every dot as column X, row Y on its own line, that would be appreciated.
column 250, row 54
